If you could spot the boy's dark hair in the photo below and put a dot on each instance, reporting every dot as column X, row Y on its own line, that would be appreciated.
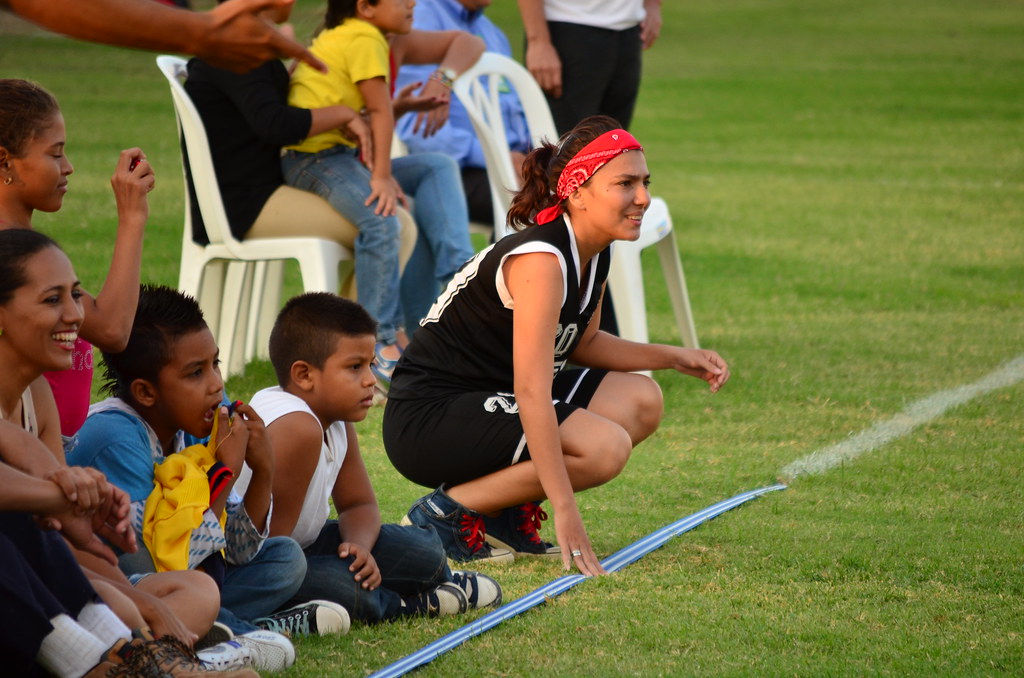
column 339, row 10
column 16, row 246
column 308, row 327
column 25, row 108
column 163, row 316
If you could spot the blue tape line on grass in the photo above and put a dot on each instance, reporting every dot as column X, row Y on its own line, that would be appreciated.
column 612, row 563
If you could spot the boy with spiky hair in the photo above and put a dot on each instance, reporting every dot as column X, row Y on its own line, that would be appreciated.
column 322, row 348
column 166, row 383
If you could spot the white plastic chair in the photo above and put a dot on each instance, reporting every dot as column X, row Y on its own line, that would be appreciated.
column 479, row 89
column 237, row 282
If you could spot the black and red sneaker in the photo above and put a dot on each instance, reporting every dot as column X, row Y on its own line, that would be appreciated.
column 461, row 530
column 518, row 530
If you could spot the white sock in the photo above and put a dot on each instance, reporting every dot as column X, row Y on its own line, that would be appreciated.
column 101, row 622
column 69, row 650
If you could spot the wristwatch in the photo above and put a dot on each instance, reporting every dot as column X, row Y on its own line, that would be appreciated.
column 445, row 76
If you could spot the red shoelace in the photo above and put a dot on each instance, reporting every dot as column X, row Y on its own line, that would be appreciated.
column 473, row 534
column 532, row 517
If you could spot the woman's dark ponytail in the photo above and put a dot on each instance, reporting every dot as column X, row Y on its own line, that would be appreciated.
column 543, row 166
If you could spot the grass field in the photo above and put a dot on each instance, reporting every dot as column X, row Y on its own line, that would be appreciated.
column 847, row 184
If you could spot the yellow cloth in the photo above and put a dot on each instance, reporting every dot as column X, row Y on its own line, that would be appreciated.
column 354, row 51
column 175, row 507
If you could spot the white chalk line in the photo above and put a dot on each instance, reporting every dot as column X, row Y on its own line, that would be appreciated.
column 916, row 414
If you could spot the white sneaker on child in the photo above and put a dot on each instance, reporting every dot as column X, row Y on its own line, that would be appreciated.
column 262, row 650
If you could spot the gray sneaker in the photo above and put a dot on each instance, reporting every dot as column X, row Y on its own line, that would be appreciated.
column 315, row 618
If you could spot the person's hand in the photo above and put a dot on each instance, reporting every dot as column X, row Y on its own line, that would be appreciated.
column 363, row 565
column 407, row 100
column 572, row 538
column 239, row 39
column 231, row 442
column 258, row 455
column 358, row 130
column 703, row 364
column 161, row 619
column 110, row 521
column 650, row 27
column 387, row 194
column 432, row 118
column 82, row 486
column 132, row 181
column 543, row 63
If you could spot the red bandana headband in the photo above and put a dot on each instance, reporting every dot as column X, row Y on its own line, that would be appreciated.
column 585, row 164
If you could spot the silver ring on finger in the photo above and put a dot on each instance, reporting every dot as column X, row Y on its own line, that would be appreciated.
column 577, row 554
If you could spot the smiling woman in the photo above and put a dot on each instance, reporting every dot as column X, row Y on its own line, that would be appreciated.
column 483, row 378
column 40, row 313
column 34, row 171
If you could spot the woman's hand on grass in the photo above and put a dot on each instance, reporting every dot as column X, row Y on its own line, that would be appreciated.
column 572, row 537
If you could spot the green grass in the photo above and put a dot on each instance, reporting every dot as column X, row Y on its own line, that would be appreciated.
column 847, row 184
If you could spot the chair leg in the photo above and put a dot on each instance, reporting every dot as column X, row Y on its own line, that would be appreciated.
column 209, row 292
column 265, row 304
column 320, row 271
column 672, row 268
column 234, row 317
column 626, row 281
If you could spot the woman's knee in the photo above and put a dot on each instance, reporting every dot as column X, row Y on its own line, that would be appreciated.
column 601, row 456
column 650, row 408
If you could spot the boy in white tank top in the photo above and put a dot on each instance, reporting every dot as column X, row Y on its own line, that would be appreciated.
column 322, row 347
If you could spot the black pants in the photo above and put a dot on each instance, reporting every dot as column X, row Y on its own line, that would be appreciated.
column 39, row 579
column 600, row 73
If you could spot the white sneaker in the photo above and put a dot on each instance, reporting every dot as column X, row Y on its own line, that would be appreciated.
column 262, row 650
column 225, row 656
column 268, row 650
column 315, row 618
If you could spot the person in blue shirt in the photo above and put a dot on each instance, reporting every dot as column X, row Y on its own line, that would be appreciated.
column 457, row 138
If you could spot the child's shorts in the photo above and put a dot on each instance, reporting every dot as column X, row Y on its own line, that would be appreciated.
column 458, row 438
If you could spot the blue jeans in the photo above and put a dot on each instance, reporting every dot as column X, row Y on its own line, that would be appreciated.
column 410, row 558
column 337, row 176
column 263, row 585
column 434, row 183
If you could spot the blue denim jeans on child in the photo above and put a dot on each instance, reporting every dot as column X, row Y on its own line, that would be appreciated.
column 410, row 558
column 261, row 586
column 433, row 182
column 337, row 176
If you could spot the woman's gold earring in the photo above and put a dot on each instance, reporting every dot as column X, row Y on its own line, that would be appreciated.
column 8, row 180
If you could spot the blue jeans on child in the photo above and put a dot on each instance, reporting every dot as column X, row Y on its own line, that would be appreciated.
column 337, row 176
column 410, row 558
column 261, row 586
column 258, row 588
column 433, row 182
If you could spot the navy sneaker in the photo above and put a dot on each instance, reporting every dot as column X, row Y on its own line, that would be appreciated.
column 461, row 529
column 446, row 599
column 480, row 590
column 518, row 530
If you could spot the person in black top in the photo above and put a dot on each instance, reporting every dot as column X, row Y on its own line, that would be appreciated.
column 480, row 403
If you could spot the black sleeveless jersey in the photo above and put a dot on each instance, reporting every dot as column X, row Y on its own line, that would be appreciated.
column 465, row 342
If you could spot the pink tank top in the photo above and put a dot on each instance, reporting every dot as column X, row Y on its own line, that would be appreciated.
column 72, row 389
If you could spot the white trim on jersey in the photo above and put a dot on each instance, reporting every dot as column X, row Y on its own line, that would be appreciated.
column 529, row 248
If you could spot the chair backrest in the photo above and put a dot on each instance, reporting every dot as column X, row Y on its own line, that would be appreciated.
column 200, row 162
column 479, row 89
